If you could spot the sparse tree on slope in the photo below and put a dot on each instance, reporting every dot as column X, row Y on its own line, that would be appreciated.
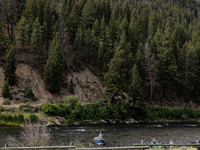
column 23, row 30
column 10, row 68
column 5, row 91
column 53, row 74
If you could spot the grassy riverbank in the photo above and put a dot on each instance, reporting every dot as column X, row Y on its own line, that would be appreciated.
column 71, row 109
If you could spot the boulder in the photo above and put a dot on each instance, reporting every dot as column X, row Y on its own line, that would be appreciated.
column 50, row 124
column 57, row 122
column 111, row 121
column 76, row 123
column 60, row 119
column 133, row 120
column 103, row 121
column 18, row 96
column 34, row 109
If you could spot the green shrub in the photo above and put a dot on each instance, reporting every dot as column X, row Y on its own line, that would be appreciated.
column 52, row 120
column 5, row 91
column 33, row 118
column 119, row 110
column 71, row 86
column 25, row 107
column 76, row 113
column 48, row 109
column 7, row 102
column 28, row 93
column 63, row 110
column 71, row 101
column 2, row 109
column 20, row 118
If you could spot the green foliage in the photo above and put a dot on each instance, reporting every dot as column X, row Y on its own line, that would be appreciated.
column 136, row 85
column 48, row 109
column 10, row 68
column 16, row 118
column 28, row 93
column 5, row 91
column 22, row 28
column 25, row 107
column 71, row 101
column 2, row 34
column 78, row 42
column 78, row 59
column 10, row 96
column 36, row 41
column 115, row 78
column 71, row 86
column 88, row 14
column 2, row 109
column 95, row 111
column 119, row 110
column 140, row 110
column 156, row 112
column 72, row 24
column 54, row 67
column 33, row 118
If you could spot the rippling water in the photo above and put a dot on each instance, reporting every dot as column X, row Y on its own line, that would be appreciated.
column 115, row 135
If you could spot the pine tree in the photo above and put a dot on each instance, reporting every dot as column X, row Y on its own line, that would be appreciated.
column 105, row 10
column 2, row 34
column 78, row 42
column 5, row 91
column 10, row 68
column 30, row 15
column 153, row 23
column 123, row 26
column 53, row 73
column 48, row 23
column 36, row 42
column 96, row 28
column 103, row 52
column 94, row 47
column 23, row 30
column 88, row 14
column 113, row 29
column 72, row 24
column 136, row 85
column 115, row 78
column 126, row 11
column 9, row 16
column 71, row 86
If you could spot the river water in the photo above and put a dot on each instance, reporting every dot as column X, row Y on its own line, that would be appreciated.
column 115, row 134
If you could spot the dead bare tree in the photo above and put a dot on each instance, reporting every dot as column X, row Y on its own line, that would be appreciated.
column 151, row 67
column 65, row 45
column 32, row 135
column 9, row 16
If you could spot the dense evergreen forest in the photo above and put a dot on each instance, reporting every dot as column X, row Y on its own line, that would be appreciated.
column 146, row 50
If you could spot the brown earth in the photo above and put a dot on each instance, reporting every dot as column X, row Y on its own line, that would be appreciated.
column 88, row 87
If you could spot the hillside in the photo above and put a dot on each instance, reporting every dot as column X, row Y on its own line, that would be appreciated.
column 146, row 52
column 87, row 86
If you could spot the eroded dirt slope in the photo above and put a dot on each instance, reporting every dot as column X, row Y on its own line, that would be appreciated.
column 88, row 87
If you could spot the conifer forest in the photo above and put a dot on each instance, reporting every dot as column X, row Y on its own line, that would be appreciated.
column 145, row 50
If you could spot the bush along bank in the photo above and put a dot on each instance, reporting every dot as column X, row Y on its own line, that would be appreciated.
column 16, row 119
column 72, row 110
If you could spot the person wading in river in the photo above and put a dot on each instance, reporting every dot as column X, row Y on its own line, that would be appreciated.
column 100, row 136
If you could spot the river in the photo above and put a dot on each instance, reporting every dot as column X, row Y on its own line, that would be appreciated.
column 115, row 134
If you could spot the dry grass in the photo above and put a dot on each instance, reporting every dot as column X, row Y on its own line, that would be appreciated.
column 32, row 135
column 175, row 148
